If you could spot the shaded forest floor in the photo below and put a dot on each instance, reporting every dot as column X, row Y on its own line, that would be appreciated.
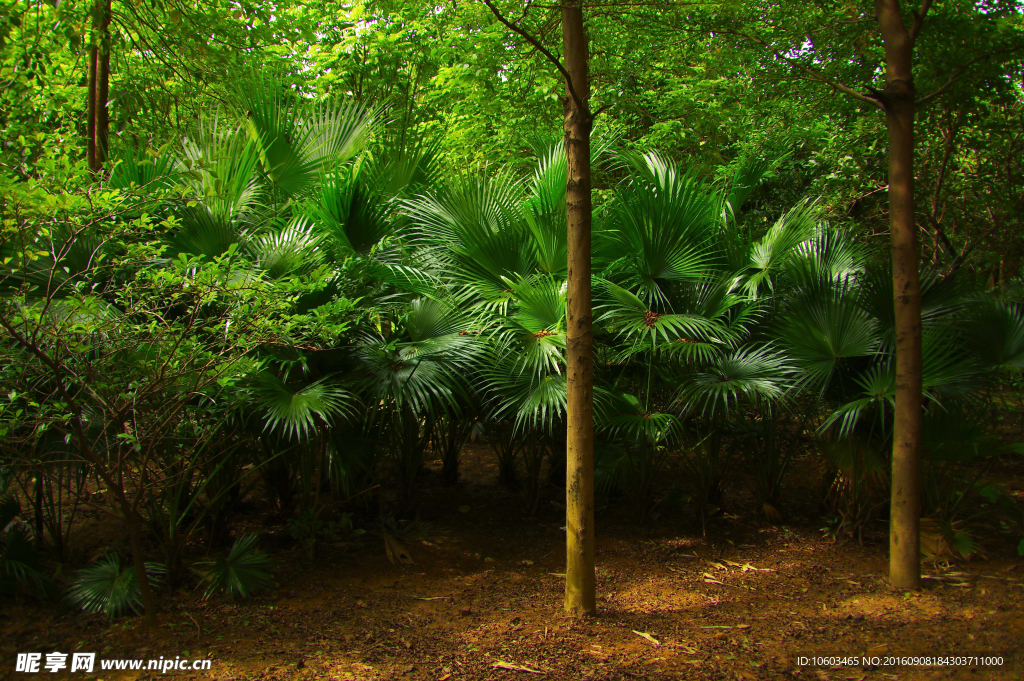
column 483, row 601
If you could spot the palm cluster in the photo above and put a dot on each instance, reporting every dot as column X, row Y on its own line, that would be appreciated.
column 712, row 343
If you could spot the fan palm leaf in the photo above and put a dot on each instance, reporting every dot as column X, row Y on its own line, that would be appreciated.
column 776, row 247
column 296, row 410
column 628, row 419
column 750, row 171
column 627, row 315
column 426, row 373
column 240, row 573
column 660, row 229
column 351, row 215
column 221, row 166
column 756, row 374
column 824, row 327
column 995, row 334
column 299, row 138
column 475, row 230
column 108, row 587
column 147, row 169
column 295, row 249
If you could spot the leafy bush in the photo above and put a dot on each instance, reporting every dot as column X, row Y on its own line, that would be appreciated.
column 109, row 587
column 243, row 571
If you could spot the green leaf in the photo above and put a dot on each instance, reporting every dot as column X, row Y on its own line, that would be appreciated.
column 108, row 587
column 243, row 571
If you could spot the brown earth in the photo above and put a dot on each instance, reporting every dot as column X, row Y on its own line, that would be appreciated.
column 483, row 601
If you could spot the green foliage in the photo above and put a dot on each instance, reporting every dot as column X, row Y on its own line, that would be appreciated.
column 297, row 411
column 273, row 268
column 111, row 588
column 243, row 571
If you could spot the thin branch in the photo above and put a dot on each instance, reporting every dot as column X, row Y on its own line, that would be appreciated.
column 919, row 20
column 543, row 50
column 815, row 75
column 968, row 247
column 962, row 70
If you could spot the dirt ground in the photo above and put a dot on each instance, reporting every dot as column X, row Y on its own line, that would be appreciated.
column 483, row 601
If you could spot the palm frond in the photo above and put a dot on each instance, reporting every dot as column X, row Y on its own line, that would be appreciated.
column 756, row 374
column 108, row 587
column 474, row 228
column 627, row 315
column 627, row 419
column 822, row 329
column 661, row 228
column 220, row 164
column 300, row 138
column 298, row 409
column 995, row 334
column 241, row 572
column 750, row 171
column 144, row 169
column 776, row 247
column 351, row 214
column 295, row 249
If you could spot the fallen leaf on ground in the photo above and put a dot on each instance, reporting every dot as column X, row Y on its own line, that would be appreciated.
column 515, row 667
column 645, row 635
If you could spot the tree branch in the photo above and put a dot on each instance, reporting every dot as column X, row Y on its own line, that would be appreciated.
column 543, row 50
column 968, row 247
column 815, row 75
column 962, row 70
column 919, row 19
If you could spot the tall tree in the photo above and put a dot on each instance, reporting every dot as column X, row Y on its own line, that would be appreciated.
column 897, row 100
column 580, row 582
column 810, row 44
column 580, row 579
column 99, row 85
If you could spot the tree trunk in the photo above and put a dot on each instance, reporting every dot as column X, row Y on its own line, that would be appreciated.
column 99, row 85
column 898, row 100
column 94, row 52
column 580, row 581
column 135, row 538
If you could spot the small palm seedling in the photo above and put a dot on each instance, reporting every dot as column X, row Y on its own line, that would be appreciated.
column 243, row 571
column 109, row 587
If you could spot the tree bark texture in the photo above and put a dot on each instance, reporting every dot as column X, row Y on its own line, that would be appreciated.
column 898, row 101
column 99, row 85
column 580, row 581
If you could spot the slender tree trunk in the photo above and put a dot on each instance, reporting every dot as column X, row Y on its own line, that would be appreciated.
column 135, row 539
column 94, row 52
column 103, row 90
column 99, row 85
column 898, row 100
column 580, row 581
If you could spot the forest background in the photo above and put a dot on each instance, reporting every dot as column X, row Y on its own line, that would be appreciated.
column 722, row 92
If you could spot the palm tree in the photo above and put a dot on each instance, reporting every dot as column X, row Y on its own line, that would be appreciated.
column 415, row 375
